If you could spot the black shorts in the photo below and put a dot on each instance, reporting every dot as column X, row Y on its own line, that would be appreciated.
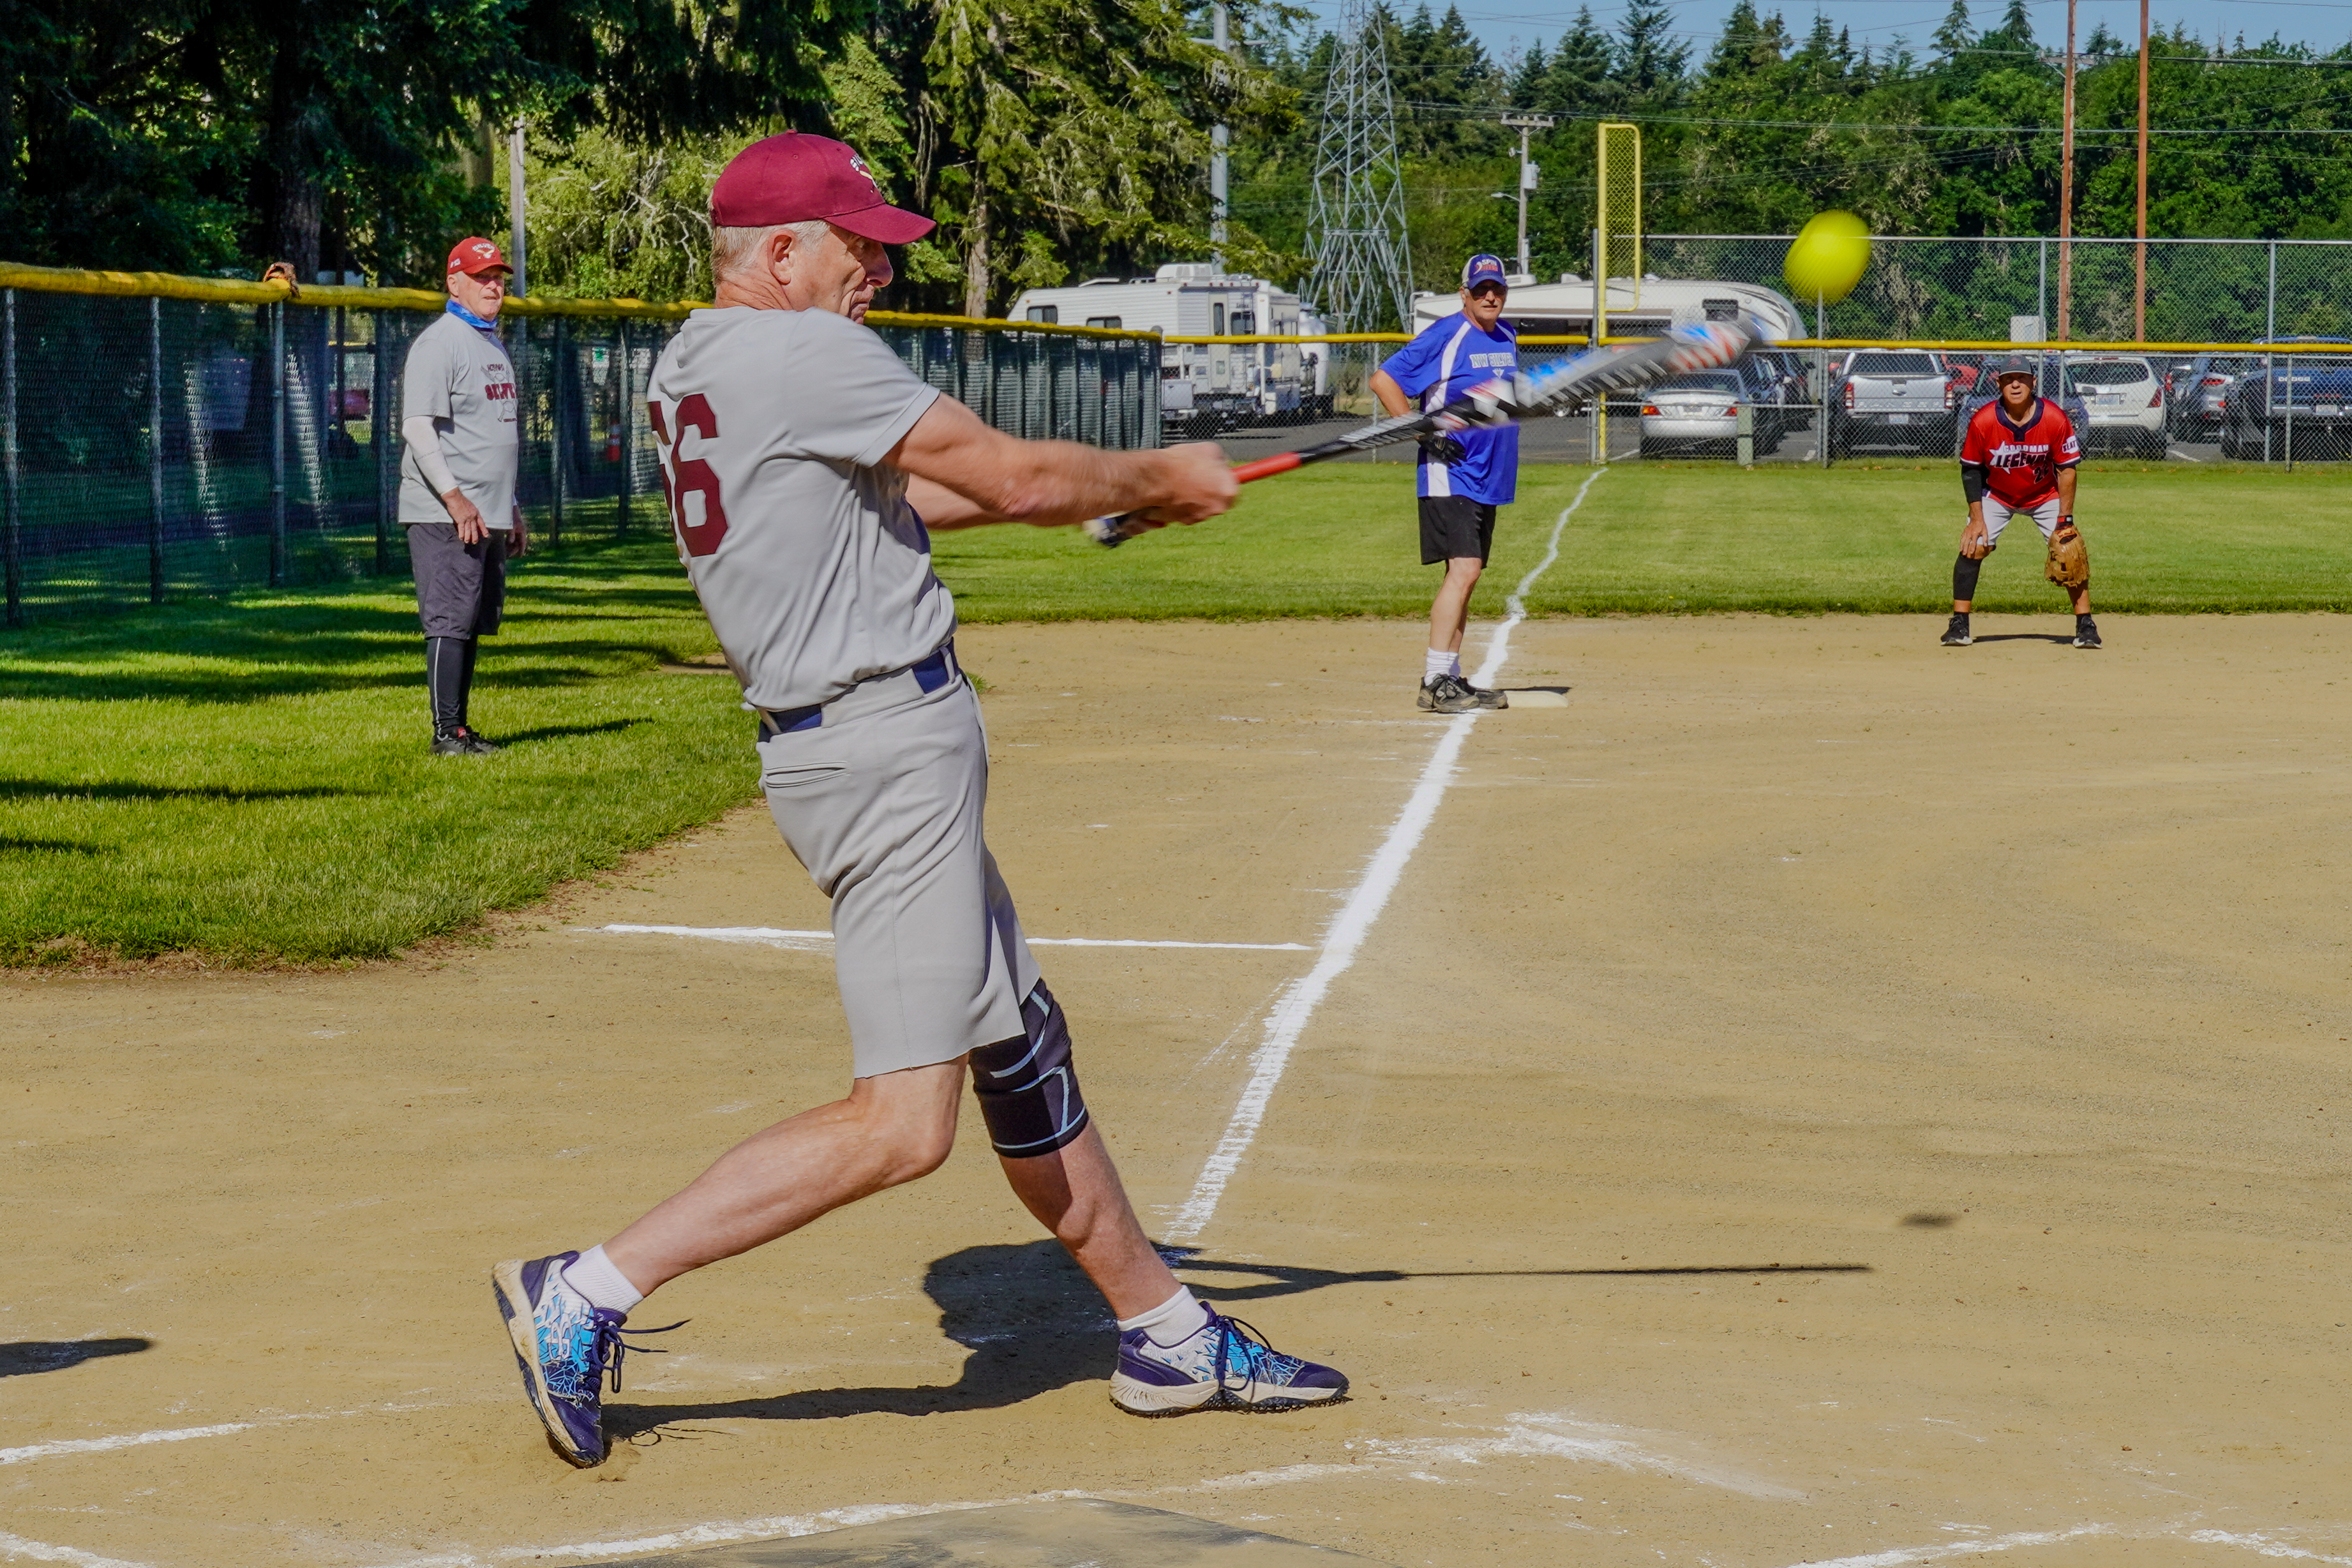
column 460, row 588
column 1451, row 526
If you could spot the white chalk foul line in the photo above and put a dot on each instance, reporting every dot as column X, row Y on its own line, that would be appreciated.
column 139, row 1439
column 13, row 1548
column 1297, row 1005
column 817, row 941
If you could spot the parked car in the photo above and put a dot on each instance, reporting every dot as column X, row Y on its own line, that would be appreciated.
column 1701, row 410
column 2304, row 401
column 2124, row 398
column 1893, row 397
column 2200, row 394
column 1792, row 371
column 2054, row 379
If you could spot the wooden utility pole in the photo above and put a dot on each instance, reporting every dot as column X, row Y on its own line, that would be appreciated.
column 2066, row 194
column 2139, row 251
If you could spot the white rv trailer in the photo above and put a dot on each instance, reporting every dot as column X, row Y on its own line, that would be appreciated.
column 1636, row 309
column 1230, row 383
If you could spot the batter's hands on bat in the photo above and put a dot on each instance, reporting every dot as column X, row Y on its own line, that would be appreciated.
column 1195, row 483
column 471, row 530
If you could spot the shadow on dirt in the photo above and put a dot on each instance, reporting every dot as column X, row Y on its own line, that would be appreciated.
column 1032, row 1323
column 25, row 1357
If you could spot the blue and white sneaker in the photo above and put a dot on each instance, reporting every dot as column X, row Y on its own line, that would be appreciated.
column 1226, row 1366
column 565, row 1347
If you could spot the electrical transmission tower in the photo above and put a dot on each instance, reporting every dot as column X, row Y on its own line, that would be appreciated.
column 1363, row 277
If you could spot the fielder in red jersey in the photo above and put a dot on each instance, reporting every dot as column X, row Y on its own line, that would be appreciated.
column 2022, row 452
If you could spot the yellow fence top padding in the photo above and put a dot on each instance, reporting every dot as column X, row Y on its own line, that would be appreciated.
column 246, row 291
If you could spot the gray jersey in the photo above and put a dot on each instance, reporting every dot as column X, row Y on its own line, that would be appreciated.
column 461, row 376
column 814, row 572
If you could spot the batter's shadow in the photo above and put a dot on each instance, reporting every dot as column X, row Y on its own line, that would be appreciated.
column 2063, row 639
column 1030, row 1322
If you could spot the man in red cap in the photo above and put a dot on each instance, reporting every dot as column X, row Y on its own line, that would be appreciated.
column 460, row 455
column 802, row 461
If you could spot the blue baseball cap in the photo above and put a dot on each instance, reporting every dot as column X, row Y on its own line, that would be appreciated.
column 1484, row 269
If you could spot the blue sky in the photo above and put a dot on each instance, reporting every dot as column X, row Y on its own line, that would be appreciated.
column 2325, row 24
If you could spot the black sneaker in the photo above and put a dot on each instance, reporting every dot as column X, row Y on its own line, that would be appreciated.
column 1486, row 698
column 2087, row 632
column 462, row 742
column 1955, row 635
column 1446, row 694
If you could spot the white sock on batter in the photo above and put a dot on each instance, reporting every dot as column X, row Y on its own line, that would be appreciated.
column 1436, row 662
column 1172, row 1322
column 593, row 1277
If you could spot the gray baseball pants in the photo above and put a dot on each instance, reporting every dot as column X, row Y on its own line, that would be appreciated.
column 882, row 800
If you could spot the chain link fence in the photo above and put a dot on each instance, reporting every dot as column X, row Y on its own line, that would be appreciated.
column 2201, row 389
column 157, row 446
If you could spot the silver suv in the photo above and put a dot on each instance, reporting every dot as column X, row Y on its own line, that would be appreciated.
column 1893, row 397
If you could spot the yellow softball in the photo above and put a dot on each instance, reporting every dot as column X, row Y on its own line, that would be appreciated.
column 1827, row 257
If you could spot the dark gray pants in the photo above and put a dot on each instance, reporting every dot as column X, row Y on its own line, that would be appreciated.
column 461, row 589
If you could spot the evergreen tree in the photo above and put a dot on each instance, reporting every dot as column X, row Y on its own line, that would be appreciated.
column 1954, row 35
column 1649, row 59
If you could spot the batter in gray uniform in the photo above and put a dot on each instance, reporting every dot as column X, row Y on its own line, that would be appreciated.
column 460, row 453
column 803, row 462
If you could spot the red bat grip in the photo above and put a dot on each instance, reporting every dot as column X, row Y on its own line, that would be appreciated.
column 1265, row 468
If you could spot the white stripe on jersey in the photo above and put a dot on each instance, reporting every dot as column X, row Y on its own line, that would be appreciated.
column 1439, row 476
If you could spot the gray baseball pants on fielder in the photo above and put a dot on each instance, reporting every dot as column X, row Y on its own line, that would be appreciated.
column 880, row 794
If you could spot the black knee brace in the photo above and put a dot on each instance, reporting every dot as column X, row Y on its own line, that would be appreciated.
column 1964, row 578
column 1028, row 1090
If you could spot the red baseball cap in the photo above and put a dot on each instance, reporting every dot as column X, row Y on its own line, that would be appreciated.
column 794, row 177
column 475, row 255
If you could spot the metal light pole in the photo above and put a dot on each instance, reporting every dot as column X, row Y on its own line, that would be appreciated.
column 1220, row 137
column 2066, row 194
column 515, row 209
column 1523, row 124
column 2139, row 251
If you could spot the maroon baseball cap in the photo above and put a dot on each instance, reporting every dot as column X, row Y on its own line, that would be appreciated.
column 794, row 177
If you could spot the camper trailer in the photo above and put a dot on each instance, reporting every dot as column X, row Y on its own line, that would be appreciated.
column 1211, row 385
column 1637, row 308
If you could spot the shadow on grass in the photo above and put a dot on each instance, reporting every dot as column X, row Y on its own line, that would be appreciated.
column 114, row 789
column 53, row 847
column 566, row 731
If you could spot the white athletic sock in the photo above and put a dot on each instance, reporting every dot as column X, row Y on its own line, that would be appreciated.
column 1436, row 662
column 1172, row 1322
column 593, row 1277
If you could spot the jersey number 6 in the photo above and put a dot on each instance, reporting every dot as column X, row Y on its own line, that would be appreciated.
column 682, row 477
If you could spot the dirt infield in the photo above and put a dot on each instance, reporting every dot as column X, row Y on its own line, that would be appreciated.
column 1816, row 1097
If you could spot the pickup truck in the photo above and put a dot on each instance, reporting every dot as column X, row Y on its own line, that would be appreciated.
column 2308, row 394
column 1893, row 397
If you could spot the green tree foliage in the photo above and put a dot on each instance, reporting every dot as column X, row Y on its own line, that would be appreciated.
column 223, row 132
column 1061, row 138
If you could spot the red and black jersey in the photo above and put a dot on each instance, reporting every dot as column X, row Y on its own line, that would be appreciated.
column 2020, row 461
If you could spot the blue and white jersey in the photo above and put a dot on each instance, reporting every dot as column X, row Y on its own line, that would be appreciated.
column 1444, row 363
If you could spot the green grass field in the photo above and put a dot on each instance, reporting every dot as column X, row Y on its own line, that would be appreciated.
column 1650, row 537
column 247, row 778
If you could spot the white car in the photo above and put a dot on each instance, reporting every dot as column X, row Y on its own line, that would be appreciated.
column 1701, row 409
column 2124, row 395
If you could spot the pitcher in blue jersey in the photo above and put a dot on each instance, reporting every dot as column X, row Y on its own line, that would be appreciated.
column 1463, row 475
